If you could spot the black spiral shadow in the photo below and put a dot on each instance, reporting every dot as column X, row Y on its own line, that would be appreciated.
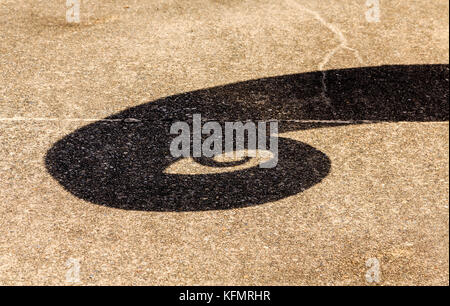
column 121, row 163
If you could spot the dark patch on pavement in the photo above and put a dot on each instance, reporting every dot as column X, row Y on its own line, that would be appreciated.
column 120, row 163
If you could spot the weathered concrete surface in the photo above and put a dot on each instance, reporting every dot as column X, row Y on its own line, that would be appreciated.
column 386, row 196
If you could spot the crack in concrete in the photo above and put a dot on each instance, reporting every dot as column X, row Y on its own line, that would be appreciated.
column 60, row 119
column 134, row 120
column 343, row 44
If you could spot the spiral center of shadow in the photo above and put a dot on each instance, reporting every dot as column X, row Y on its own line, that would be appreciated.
column 211, row 162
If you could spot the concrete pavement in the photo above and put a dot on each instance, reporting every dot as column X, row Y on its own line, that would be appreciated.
column 383, row 199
